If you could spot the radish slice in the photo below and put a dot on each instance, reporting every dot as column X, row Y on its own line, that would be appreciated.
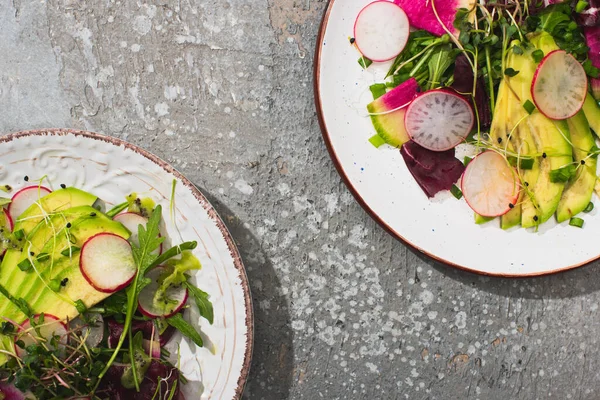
column 381, row 30
column 92, row 329
column 42, row 333
column 177, row 296
column 131, row 221
column 152, row 347
column 489, row 185
column 107, row 262
column 439, row 120
column 559, row 85
column 24, row 198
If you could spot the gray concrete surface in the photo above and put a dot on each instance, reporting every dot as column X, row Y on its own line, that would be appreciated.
column 222, row 89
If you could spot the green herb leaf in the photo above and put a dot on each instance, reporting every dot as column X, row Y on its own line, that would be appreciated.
column 576, row 222
column 81, row 308
column 510, row 72
column 204, row 305
column 581, row 5
column 525, row 163
column 42, row 257
column 377, row 141
column 529, row 107
column 364, row 62
column 537, row 56
column 20, row 303
column 117, row 209
column 25, row 265
column 70, row 251
column 54, row 285
column 185, row 328
column 456, row 192
column 563, row 174
column 378, row 90
column 467, row 160
column 589, row 207
column 19, row 235
column 7, row 328
column 439, row 62
column 517, row 50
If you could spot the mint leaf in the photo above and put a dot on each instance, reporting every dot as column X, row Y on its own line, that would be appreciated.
column 204, row 305
column 187, row 330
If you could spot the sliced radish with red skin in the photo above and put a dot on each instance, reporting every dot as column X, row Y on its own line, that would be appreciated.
column 131, row 221
column 24, row 198
column 52, row 326
column 107, row 263
column 439, row 120
column 559, row 85
column 91, row 329
column 489, row 185
column 381, row 30
column 146, row 305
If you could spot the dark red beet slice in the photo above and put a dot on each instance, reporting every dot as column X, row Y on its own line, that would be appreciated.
column 434, row 171
column 463, row 83
column 115, row 329
column 111, row 384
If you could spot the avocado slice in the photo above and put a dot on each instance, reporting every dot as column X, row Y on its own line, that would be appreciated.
column 578, row 191
column 591, row 109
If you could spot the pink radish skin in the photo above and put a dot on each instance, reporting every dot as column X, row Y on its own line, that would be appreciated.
column 52, row 326
column 489, row 185
column 24, row 198
column 381, row 30
column 559, row 85
column 151, row 345
column 145, row 302
column 439, row 120
column 107, row 262
column 131, row 221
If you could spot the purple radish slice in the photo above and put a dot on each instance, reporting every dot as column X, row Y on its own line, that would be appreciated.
column 592, row 37
column 381, row 30
column 421, row 15
column 489, row 185
column 559, row 85
column 176, row 296
column 52, row 326
column 107, row 263
column 439, row 120
column 131, row 221
column 92, row 329
column 434, row 171
column 24, row 198
column 387, row 112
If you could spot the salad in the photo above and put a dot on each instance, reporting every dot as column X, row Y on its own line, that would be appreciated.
column 89, row 298
column 513, row 84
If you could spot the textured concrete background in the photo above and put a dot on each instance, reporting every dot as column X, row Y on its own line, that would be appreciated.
column 223, row 90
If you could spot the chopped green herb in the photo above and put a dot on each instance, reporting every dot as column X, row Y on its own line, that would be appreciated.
column 589, row 207
column 54, row 285
column 80, row 306
column 364, row 62
column 378, row 90
column 510, row 72
column 537, row 55
column 525, row 163
column 563, row 174
column 25, row 265
column 517, row 50
column 456, row 192
column 377, row 141
column 70, row 251
column 581, row 5
column 42, row 257
column 467, row 160
column 576, row 222
column 529, row 107
column 19, row 235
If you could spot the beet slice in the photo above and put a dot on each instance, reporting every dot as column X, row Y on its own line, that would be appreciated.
column 434, row 171
column 157, row 372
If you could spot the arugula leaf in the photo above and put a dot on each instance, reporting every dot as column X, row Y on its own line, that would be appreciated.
column 187, row 330
column 204, row 305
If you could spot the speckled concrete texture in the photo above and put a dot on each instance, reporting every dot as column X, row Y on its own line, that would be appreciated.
column 222, row 89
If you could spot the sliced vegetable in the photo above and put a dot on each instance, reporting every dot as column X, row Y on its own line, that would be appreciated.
column 592, row 37
column 381, row 30
column 90, row 328
column 489, row 185
column 439, row 120
column 559, row 85
column 387, row 112
column 422, row 15
column 107, row 262
column 434, row 171
column 132, row 221
column 25, row 198
column 43, row 329
column 154, row 304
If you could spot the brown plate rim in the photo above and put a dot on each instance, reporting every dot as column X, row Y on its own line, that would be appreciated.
column 237, row 259
column 332, row 153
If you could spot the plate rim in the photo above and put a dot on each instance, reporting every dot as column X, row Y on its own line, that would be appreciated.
column 210, row 209
column 357, row 196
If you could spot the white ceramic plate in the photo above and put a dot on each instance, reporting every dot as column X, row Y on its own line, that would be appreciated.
column 111, row 169
column 442, row 228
